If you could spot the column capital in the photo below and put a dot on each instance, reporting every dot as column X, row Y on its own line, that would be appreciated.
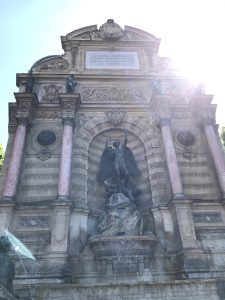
column 69, row 104
column 23, row 118
column 68, row 120
column 26, row 102
column 207, row 121
column 164, row 121
column 210, row 121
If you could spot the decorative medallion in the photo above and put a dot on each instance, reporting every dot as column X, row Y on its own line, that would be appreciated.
column 115, row 116
column 185, row 138
column 51, row 93
column 46, row 138
column 110, row 30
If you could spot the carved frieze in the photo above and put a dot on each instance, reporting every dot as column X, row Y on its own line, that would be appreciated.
column 92, row 94
column 210, row 234
column 57, row 64
column 33, row 221
column 125, row 265
column 43, row 114
column 36, row 238
column 25, row 105
column 207, row 218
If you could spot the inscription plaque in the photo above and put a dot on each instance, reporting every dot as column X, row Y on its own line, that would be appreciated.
column 115, row 60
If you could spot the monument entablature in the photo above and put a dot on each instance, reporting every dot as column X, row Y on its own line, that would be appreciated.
column 114, row 173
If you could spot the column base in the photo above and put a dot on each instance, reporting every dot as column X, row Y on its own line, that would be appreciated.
column 7, row 200
column 192, row 263
column 62, row 200
column 179, row 197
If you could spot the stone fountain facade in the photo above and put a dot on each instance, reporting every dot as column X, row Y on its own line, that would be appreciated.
column 164, row 241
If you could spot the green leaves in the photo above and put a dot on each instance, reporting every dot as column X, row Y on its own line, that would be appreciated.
column 222, row 136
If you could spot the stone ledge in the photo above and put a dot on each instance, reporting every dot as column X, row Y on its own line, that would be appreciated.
column 175, row 289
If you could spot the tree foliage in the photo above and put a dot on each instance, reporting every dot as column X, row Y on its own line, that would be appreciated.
column 222, row 136
column 2, row 155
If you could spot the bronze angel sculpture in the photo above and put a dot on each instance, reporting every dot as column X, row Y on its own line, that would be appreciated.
column 118, row 169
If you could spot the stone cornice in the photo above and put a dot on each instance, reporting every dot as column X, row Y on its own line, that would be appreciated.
column 21, row 77
column 202, row 99
column 69, row 102
column 26, row 100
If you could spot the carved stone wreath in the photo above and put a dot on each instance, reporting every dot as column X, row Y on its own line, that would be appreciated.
column 51, row 93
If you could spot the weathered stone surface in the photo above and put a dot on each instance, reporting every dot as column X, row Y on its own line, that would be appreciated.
column 173, row 229
column 120, row 219
column 7, row 267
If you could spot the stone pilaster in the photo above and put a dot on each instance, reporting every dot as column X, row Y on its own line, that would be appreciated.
column 60, row 225
column 216, row 152
column 71, row 51
column 171, row 159
column 180, row 233
column 188, row 250
column 78, row 230
column 183, row 223
column 5, row 216
column 62, row 205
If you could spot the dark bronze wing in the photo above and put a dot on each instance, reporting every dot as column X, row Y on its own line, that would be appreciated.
column 130, row 163
column 106, row 167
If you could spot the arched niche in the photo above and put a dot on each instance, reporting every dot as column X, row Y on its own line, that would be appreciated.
column 95, row 191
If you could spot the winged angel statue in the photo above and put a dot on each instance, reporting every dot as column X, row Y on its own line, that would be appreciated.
column 118, row 169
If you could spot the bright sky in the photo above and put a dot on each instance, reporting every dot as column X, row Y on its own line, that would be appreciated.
column 191, row 32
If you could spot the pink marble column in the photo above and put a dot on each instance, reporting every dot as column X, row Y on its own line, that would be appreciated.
column 10, row 186
column 171, row 159
column 66, row 160
column 217, row 154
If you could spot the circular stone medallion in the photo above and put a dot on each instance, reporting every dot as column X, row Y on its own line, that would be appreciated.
column 46, row 138
column 185, row 138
